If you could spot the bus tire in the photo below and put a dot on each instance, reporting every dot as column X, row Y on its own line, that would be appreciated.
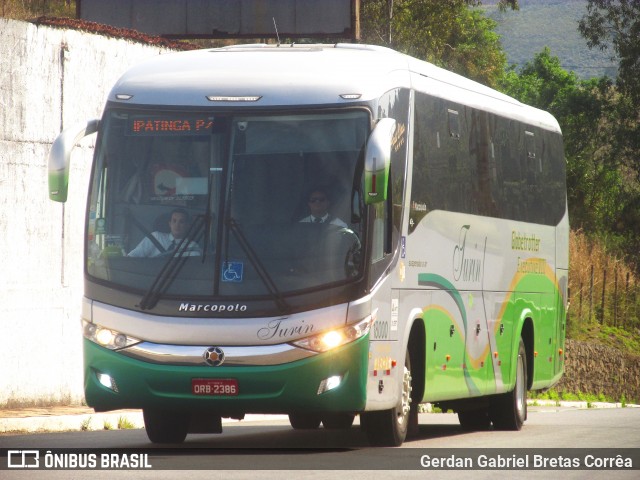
column 509, row 410
column 338, row 421
column 164, row 426
column 304, row 421
column 388, row 428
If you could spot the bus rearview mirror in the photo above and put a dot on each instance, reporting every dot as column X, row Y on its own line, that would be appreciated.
column 60, row 155
column 377, row 161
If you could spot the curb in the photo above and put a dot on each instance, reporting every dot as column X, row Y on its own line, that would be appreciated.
column 578, row 404
column 132, row 419
column 72, row 422
column 118, row 420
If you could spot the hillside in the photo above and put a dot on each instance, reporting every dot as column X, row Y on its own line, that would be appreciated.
column 552, row 23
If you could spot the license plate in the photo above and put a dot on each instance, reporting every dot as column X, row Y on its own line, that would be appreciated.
column 227, row 387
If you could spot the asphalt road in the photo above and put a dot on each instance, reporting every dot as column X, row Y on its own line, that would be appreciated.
column 272, row 449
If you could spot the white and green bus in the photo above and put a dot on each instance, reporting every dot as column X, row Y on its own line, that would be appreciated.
column 440, row 275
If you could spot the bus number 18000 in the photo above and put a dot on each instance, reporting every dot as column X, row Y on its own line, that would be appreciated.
column 380, row 330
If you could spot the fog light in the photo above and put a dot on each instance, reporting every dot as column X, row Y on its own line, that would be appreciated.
column 329, row 384
column 107, row 381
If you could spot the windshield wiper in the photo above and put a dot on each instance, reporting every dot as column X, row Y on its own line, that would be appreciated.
column 208, row 215
column 257, row 264
column 173, row 265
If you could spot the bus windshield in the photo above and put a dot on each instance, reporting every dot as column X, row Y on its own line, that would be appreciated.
column 196, row 204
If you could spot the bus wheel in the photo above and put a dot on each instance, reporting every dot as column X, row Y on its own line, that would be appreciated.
column 509, row 410
column 304, row 421
column 475, row 420
column 338, row 421
column 166, row 426
column 388, row 428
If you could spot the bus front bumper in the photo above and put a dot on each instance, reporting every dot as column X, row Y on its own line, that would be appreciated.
column 333, row 381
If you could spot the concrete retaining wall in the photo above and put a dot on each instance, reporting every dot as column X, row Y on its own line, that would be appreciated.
column 49, row 79
column 591, row 368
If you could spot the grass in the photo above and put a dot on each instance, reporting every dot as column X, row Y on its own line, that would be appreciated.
column 125, row 424
column 86, row 424
column 28, row 9
column 14, row 402
column 605, row 296
column 614, row 337
column 590, row 398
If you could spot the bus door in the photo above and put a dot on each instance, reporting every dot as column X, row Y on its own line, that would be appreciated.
column 445, row 349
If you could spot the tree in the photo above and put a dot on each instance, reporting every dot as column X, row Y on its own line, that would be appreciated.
column 587, row 112
column 603, row 191
column 449, row 34
column 615, row 24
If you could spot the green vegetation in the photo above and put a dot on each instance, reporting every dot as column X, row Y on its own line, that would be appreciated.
column 448, row 34
column 614, row 337
column 28, row 9
column 617, row 322
column 600, row 184
column 590, row 398
column 86, row 424
column 125, row 424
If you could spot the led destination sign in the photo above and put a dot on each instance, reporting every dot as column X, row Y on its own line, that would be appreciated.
column 145, row 125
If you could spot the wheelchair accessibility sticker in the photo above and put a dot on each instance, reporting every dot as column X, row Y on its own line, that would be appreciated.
column 232, row 271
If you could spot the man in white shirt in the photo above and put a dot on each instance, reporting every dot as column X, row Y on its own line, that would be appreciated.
column 319, row 207
column 178, row 224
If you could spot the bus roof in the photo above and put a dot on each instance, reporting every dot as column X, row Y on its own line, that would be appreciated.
column 295, row 75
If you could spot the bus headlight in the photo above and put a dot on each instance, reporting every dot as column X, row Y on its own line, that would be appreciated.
column 106, row 337
column 331, row 339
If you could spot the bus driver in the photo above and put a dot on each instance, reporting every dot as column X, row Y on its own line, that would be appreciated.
column 319, row 208
column 178, row 224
